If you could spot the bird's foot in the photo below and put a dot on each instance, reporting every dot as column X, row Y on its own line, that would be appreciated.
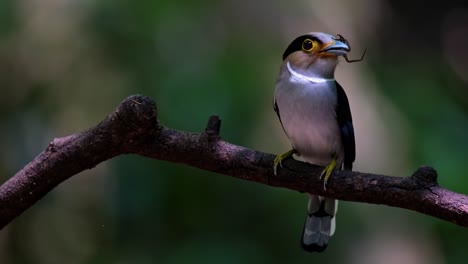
column 327, row 172
column 282, row 157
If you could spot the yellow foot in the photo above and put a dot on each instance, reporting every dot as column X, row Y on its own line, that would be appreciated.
column 327, row 172
column 282, row 157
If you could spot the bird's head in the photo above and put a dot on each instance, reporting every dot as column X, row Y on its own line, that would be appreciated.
column 315, row 54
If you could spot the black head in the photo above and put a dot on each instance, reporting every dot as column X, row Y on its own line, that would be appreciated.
column 318, row 44
column 298, row 43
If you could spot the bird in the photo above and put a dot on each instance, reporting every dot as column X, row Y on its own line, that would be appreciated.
column 314, row 112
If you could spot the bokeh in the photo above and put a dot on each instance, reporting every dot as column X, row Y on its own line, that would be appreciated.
column 65, row 65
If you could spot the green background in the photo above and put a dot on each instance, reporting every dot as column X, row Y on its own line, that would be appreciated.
column 65, row 65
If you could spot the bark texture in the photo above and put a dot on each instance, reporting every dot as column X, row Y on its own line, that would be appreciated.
column 133, row 128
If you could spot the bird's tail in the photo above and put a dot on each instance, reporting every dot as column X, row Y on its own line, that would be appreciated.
column 319, row 225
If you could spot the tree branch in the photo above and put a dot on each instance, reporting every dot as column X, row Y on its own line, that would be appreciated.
column 133, row 128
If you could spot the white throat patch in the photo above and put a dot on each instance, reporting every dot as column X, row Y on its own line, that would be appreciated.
column 300, row 78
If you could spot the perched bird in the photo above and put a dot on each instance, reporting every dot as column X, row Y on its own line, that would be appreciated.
column 314, row 112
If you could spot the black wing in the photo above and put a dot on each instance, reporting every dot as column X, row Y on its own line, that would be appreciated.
column 343, row 116
column 275, row 107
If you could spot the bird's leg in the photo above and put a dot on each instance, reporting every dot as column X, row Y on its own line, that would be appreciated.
column 327, row 172
column 282, row 157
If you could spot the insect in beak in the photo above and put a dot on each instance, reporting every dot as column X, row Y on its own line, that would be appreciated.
column 342, row 39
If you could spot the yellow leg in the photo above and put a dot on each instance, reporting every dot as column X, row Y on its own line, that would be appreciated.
column 282, row 157
column 327, row 172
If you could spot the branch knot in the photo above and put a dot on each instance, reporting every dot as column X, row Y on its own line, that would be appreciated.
column 426, row 175
column 212, row 129
column 138, row 112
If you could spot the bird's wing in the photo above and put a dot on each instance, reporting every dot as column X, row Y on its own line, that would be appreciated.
column 275, row 107
column 343, row 116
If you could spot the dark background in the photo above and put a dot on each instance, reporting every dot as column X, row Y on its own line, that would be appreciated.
column 64, row 65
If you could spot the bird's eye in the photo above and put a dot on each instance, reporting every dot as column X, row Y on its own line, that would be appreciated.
column 308, row 45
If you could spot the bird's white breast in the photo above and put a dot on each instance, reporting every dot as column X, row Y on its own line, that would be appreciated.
column 307, row 111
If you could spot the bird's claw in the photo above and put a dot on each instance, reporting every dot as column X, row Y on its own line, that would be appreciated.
column 327, row 172
column 279, row 159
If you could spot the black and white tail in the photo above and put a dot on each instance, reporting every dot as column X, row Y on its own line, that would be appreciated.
column 320, row 224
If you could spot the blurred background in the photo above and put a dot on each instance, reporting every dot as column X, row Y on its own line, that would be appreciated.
column 65, row 65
